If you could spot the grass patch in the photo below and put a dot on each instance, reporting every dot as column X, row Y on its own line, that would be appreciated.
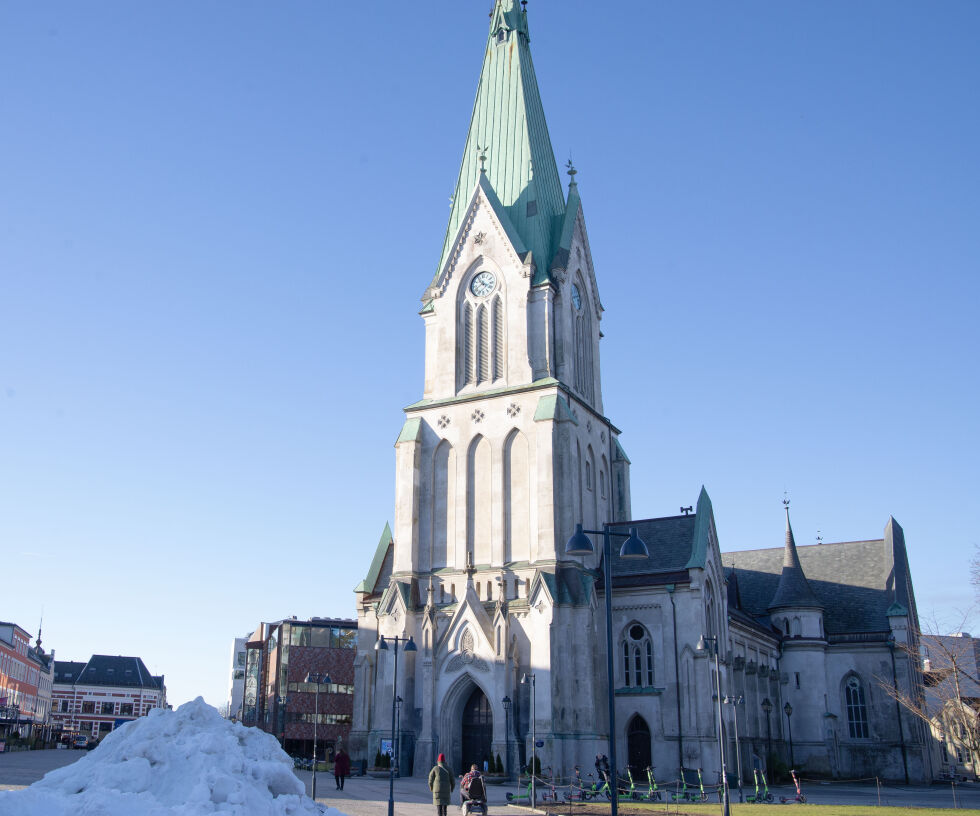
column 686, row 809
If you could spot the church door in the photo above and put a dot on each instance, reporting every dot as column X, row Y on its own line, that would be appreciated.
column 638, row 745
column 477, row 731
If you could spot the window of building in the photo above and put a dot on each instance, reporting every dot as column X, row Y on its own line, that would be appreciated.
column 108, row 708
column 797, row 679
column 64, row 705
column 637, row 657
column 88, row 707
column 857, row 709
column 126, row 709
column 588, row 475
column 602, row 483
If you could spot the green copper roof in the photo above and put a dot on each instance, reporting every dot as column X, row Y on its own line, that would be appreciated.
column 369, row 583
column 508, row 125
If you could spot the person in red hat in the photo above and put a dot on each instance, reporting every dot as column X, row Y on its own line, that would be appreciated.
column 441, row 783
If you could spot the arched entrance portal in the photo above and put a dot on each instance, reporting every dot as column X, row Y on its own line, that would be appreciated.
column 477, row 733
column 638, row 744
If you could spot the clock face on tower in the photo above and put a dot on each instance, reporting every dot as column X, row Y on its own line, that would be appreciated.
column 482, row 285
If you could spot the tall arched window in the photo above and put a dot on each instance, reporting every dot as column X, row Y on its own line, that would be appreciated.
column 637, row 657
column 709, row 609
column 582, row 322
column 857, row 709
column 481, row 332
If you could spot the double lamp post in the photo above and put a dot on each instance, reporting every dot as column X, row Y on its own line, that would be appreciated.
column 381, row 645
column 633, row 548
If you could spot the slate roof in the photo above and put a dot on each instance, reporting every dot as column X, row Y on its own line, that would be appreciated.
column 793, row 591
column 670, row 541
column 106, row 670
column 65, row 671
column 850, row 580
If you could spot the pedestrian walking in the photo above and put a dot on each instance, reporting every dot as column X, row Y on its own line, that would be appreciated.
column 441, row 783
column 341, row 767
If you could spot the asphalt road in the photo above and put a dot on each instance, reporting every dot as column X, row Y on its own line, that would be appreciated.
column 369, row 797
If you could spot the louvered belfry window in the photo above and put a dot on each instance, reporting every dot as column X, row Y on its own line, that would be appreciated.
column 481, row 338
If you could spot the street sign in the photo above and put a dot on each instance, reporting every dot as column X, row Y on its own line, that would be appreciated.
column 539, row 744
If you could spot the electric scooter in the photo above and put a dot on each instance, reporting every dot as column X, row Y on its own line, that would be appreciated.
column 765, row 797
column 799, row 794
column 653, row 792
column 578, row 792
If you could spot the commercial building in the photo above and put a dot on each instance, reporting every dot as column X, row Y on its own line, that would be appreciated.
column 94, row 697
column 236, row 679
column 279, row 657
column 25, row 683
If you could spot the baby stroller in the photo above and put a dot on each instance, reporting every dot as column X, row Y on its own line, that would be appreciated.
column 476, row 798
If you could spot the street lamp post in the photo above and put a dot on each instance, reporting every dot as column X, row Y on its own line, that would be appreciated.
column 507, row 706
column 530, row 678
column 382, row 646
column 396, row 741
column 710, row 643
column 735, row 702
column 767, row 707
column 324, row 679
column 788, row 711
column 633, row 548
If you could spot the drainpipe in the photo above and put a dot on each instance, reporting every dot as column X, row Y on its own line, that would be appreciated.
column 677, row 680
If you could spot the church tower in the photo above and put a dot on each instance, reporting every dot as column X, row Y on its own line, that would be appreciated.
column 505, row 452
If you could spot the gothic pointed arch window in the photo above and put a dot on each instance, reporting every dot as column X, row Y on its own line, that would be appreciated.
column 709, row 609
column 583, row 339
column 637, row 655
column 480, row 331
column 856, row 707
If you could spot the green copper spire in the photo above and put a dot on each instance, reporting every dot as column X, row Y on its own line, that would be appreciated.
column 508, row 125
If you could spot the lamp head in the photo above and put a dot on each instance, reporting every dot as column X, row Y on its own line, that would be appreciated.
column 410, row 645
column 634, row 547
column 702, row 644
column 767, row 705
column 381, row 645
column 507, row 702
column 788, row 709
column 579, row 543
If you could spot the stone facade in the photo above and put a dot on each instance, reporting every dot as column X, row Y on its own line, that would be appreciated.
column 505, row 453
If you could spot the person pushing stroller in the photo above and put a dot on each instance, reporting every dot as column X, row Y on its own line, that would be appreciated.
column 473, row 792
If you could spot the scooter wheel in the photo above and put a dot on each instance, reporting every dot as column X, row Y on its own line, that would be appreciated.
column 769, row 798
column 510, row 797
column 802, row 799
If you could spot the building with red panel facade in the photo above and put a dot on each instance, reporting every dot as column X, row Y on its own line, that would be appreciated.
column 279, row 657
column 108, row 691
column 25, row 683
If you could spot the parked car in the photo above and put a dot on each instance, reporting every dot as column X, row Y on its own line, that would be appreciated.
column 81, row 741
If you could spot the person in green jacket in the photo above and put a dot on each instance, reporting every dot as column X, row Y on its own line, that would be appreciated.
column 441, row 783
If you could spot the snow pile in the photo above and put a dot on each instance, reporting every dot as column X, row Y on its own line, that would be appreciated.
column 187, row 762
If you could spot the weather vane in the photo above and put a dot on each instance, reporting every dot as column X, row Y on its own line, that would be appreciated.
column 482, row 156
column 785, row 500
column 571, row 168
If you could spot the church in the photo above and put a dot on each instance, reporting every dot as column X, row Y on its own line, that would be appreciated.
column 508, row 449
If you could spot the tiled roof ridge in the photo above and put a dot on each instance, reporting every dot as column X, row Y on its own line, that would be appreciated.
column 823, row 545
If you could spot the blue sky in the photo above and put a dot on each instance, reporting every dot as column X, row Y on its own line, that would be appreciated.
column 217, row 219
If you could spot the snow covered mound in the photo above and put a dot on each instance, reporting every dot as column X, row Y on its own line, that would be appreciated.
column 187, row 762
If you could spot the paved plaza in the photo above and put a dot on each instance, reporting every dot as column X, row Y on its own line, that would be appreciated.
column 364, row 796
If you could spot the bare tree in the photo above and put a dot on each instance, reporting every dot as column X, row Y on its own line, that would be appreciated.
column 975, row 571
column 948, row 701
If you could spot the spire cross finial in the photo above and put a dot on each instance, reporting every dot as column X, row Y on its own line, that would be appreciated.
column 524, row 6
column 482, row 156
